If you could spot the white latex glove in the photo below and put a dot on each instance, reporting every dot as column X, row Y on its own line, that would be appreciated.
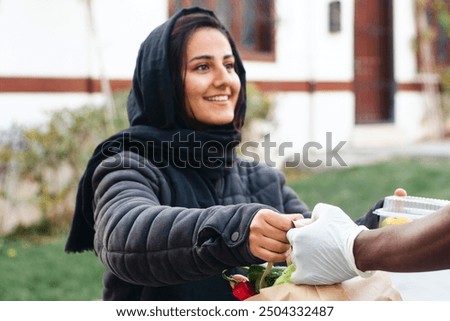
column 322, row 251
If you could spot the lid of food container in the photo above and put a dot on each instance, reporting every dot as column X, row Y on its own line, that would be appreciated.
column 411, row 206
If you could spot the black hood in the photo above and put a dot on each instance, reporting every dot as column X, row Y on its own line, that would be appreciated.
column 156, row 122
column 152, row 99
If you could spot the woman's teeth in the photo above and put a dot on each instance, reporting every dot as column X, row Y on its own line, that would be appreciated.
column 218, row 98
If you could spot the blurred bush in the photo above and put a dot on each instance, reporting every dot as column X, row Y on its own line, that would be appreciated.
column 42, row 165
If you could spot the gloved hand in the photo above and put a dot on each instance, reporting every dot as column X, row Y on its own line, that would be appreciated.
column 322, row 251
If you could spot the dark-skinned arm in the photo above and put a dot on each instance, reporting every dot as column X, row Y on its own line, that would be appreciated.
column 422, row 245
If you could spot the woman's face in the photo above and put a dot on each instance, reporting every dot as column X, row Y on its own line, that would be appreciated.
column 211, row 83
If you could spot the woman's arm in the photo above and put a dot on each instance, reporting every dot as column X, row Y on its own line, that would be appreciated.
column 145, row 242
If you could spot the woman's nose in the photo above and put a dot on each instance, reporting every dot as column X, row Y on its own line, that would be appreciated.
column 222, row 77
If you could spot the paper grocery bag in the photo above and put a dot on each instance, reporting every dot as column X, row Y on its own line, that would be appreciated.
column 378, row 287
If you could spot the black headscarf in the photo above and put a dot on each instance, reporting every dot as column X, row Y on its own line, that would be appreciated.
column 157, row 131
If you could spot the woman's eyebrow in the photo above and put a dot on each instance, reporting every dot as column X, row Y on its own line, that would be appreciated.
column 209, row 57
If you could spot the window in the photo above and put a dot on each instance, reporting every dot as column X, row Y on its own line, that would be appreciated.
column 334, row 16
column 251, row 23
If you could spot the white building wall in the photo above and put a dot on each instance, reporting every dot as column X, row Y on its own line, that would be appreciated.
column 52, row 38
column 405, row 67
column 43, row 38
column 409, row 116
column 122, row 31
column 302, row 119
column 331, row 53
column 306, row 51
column 291, row 53
column 409, row 106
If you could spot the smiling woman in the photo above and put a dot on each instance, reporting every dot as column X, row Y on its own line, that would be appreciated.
column 211, row 84
column 166, row 204
column 203, row 73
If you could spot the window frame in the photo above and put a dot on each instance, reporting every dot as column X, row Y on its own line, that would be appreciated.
column 236, row 27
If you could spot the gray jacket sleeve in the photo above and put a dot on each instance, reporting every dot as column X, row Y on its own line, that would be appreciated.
column 144, row 242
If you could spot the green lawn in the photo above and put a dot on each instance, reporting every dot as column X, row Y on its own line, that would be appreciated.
column 43, row 271
column 356, row 189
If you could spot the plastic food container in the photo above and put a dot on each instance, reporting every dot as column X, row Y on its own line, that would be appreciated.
column 404, row 209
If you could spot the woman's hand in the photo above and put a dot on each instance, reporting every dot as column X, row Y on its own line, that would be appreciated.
column 267, row 238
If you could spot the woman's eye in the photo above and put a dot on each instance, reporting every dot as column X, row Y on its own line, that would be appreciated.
column 201, row 67
column 229, row 66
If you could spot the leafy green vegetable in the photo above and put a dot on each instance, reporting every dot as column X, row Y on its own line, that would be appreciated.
column 285, row 277
column 255, row 272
